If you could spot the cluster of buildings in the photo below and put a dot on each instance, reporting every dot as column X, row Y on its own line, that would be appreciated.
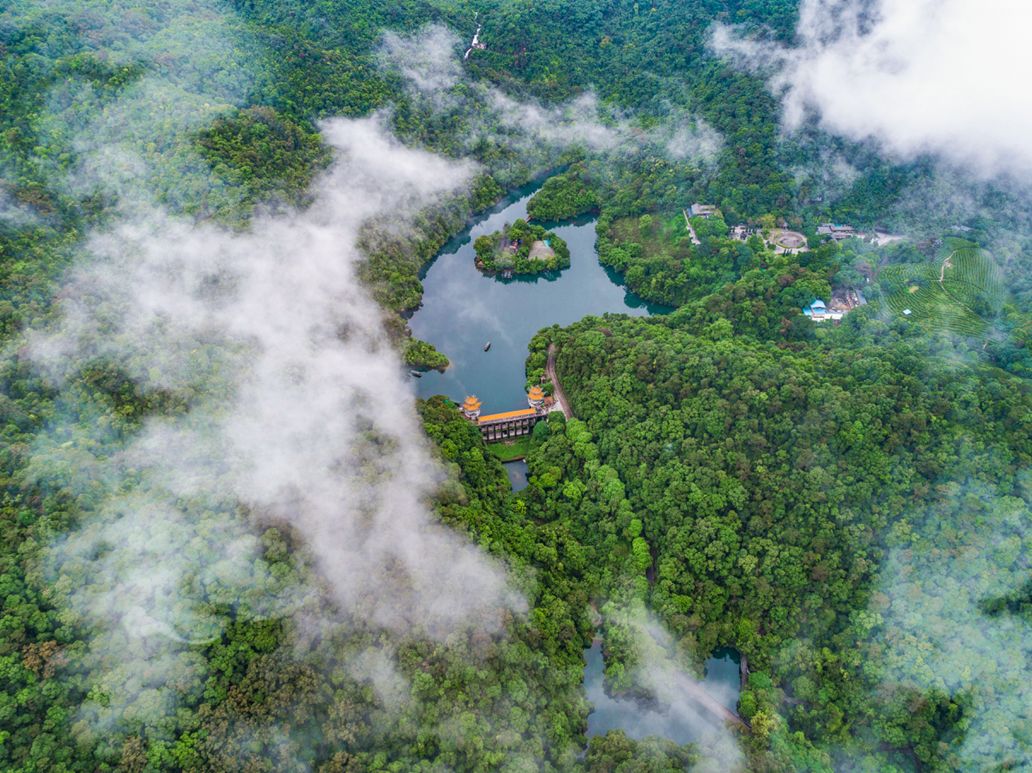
column 840, row 233
column 832, row 231
column 781, row 240
column 743, row 231
column 791, row 242
column 510, row 424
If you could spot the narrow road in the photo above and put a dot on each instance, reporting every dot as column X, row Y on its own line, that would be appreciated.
column 948, row 263
column 560, row 396
column 691, row 231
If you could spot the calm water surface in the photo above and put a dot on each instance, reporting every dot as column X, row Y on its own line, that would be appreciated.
column 638, row 721
column 518, row 472
column 463, row 309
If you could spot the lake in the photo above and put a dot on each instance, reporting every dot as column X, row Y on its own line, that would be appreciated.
column 463, row 309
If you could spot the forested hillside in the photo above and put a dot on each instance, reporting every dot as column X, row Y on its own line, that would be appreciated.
column 846, row 505
column 771, row 486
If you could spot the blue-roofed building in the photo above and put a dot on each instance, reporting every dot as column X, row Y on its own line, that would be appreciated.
column 818, row 311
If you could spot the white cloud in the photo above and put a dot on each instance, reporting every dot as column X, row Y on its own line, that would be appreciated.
column 13, row 213
column 918, row 76
column 300, row 415
column 294, row 407
column 932, row 631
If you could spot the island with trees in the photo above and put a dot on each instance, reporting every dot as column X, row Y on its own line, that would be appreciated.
column 522, row 249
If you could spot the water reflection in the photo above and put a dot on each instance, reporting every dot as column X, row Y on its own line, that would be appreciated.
column 517, row 474
column 463, row 309
column 639, row 720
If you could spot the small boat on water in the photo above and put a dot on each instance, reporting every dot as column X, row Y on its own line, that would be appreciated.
column 415, row 374
column 487, row 346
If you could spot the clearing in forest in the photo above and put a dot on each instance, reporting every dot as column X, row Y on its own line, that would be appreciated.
column 960, row 292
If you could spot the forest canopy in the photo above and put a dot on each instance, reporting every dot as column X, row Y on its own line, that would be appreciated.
column 845, row 505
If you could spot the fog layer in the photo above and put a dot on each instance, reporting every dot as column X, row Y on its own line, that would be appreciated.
column 918, row 76
column 277, row 397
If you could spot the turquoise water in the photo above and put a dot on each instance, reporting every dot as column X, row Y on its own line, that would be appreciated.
column 723, row 672
column 463, row 309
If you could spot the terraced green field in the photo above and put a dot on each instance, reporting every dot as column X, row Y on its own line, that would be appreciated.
column 961, row 292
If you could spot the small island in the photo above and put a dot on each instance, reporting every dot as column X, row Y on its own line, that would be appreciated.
column 521, row 248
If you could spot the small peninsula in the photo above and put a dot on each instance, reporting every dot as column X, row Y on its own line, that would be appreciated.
column 521, row 248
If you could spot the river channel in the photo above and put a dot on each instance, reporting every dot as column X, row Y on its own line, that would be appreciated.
column 463, row 310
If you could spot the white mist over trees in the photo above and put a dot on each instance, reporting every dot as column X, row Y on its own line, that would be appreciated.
column 428, row 63
column 293, row 407
column 935, row 79
column 918, row 76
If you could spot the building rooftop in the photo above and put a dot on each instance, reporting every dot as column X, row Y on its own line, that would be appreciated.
column 703, row 210
column 507, row 415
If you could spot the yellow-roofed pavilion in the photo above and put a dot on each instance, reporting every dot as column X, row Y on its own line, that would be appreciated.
column 471, row 407
column 536, row 397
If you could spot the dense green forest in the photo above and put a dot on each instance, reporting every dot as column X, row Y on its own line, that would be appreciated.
column 847, row 506
column 565, row 196
column 771, row 485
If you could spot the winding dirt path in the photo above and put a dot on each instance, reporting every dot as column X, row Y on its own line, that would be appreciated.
column 948, row 263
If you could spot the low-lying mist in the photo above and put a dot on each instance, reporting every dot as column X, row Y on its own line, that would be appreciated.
column 297, row 413
column 947, row 619
column 916, row 76
column 674, row 710
column 276, row 396
column 429, row 63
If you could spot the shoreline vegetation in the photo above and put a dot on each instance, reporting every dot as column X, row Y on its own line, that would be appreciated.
column 565, row 196
column 521, row 249
column 845, row 505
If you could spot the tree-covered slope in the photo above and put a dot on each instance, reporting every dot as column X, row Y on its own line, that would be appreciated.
column 772, row 485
